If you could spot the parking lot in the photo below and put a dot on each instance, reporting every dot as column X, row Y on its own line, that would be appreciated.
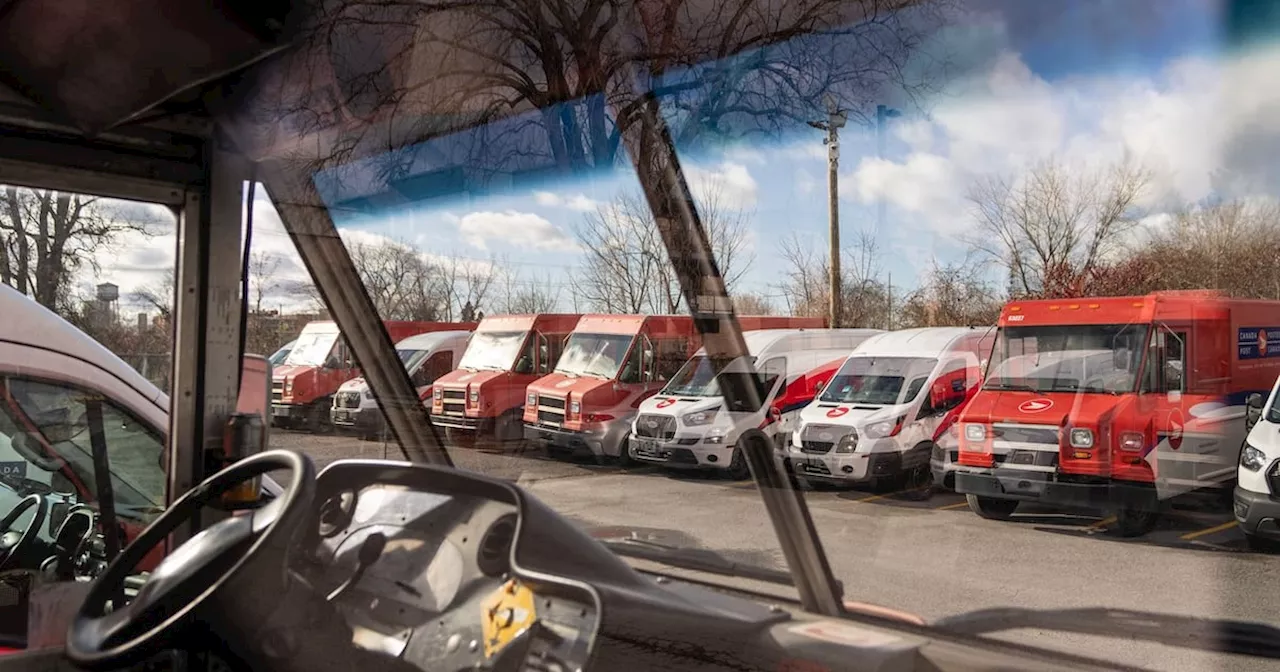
column 923, row 552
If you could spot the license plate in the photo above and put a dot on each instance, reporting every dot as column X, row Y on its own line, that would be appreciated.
column 647, row 448
column 279, row 410
column 809, row 468
column 341, row 415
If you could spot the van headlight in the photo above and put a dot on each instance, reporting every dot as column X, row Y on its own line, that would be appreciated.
column 1251, row 458
column 699, row 417
column 975, row 432
column 531, row 400
column 1081, row 437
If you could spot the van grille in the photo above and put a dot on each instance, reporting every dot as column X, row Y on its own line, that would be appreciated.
column 651, row 426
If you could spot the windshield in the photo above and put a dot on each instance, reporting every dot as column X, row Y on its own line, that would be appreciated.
column 1110, row 169
column 879, row 381
column 493, row 350
column 312, row 348
column 701, row 376
column 1094, row 358
column 594, row 355
column 411, row 358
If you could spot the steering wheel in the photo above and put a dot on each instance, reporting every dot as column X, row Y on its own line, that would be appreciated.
column 193, row 574
column 12, row 542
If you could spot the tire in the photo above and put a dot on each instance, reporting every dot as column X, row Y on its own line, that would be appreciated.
column 1135, row 522
column 738, row 469
column 1261, row 544
column 317, row 418
column 624, row 459
column 992, row 508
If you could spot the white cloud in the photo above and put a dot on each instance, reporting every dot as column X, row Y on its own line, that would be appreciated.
column 516, row 229
column 1199, row 124
column 729, row 182
column 546, row 198
column 579, row 202
column 805, row 182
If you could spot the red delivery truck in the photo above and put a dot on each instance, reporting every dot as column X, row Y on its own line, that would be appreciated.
column 483, row 399
column 302, row 387
column 1116, row 403
column 610, row 365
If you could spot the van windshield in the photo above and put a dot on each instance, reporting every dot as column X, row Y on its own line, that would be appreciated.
column 312, row 348
column 879, row 381
column 1273, row 412
column 1061, row 358
column 493, row 350
column 699, row 378
column 412, row 358
column 595, row 355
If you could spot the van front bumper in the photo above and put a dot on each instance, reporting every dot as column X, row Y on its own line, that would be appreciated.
column 366, row 421
column 1258, row 513
column 1045, row 488
column 575, row 443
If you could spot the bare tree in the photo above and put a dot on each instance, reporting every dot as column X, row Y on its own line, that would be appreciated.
column 1052, row 227
column 158, row 296
column 627, row 268
column 806, row 285
column 402, row 284
column 753, row 304
column 264, row 277
column 467, row 282
column 955, row 294
column 46, row 236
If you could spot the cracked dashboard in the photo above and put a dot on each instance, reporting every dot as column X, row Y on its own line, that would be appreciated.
column 448, row 587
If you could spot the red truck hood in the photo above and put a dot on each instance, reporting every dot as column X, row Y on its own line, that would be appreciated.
column 1040, row 408
column 462, row 378
column 286, row 371
column 560, row 385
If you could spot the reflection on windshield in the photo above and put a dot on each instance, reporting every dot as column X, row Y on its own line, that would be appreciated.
column 311, row 349
column 1077, row 358
column 411, row 358
column 699, row 378
column 595, row 355
column 493, row 350
column 879, row 381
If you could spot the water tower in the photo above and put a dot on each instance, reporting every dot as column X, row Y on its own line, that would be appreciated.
column 108, row 298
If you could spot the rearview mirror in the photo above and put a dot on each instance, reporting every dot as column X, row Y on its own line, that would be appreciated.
column 1120, row 359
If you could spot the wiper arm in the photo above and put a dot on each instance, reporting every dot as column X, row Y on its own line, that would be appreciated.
column 697, row 559
column 1239, row 637
column 1009, row 387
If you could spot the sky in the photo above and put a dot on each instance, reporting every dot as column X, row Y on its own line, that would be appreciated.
column 1086, row 82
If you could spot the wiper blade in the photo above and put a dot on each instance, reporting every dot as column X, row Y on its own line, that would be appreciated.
column 697, row 559
column 1223, row 636
column 1009, row 387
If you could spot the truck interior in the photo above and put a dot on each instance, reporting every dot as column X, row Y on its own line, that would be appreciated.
column 194, row 106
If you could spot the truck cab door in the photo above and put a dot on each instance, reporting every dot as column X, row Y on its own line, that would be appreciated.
column 1189, row 452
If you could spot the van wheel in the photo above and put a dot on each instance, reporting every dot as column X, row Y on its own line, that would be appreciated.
column 1132, row 522
column 624, row 458
column 1261, row 544
column 992, row 508
column 738, row 469
column 317, row 415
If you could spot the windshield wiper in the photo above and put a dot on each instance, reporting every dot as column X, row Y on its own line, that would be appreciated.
column 1009, row 387
column 1239, row 637
column 697, row 559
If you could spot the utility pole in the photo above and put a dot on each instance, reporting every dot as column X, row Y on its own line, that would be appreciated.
column 836, row 119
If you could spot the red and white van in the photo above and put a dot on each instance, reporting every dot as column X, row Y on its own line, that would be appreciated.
column 688, row 426
column 883, row 413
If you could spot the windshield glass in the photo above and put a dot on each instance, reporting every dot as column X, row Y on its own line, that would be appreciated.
column 1094, row 358
column 312, row 348
column 1110, row 169
column 699, row 376
column 493, row 350
column 594, row 355
column 411, row 358
column 879, row 381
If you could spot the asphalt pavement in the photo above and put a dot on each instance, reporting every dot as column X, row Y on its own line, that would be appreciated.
column 922, row 552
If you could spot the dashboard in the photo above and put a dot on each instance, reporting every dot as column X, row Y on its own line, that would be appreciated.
column 427, row 572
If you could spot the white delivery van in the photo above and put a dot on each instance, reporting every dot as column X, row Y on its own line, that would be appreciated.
column 425, row 356
column 50, row 373
column 1257, row 492
column 686, row 425
column 889, row 404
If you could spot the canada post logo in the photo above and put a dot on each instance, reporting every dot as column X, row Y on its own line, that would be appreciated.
column 1258, row 342
column 1035, row 405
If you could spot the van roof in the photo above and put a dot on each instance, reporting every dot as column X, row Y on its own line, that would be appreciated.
column 39, row 327
column 429, row 340
column 794, row 340
column 919, row 342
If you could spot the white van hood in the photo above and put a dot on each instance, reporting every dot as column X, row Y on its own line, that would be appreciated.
column 354, row 385
column 678, row 406
column 848, row 415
